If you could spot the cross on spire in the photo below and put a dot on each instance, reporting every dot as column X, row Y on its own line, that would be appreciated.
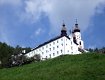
column 76, row 21
column 63, row 23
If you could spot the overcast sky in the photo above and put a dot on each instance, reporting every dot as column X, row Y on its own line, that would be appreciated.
column 29, row 23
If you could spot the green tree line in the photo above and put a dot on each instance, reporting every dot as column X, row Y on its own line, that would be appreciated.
column 6, row 51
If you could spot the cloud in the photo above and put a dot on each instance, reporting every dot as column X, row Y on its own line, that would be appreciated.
column 10, row 2
column 67, row 10
column 100, row 8
column 37, row 33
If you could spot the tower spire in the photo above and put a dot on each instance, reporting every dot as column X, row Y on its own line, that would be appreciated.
column 63, row 30
column 76, row 21
column 76, row 24
column 76, row 28
column 63, row 23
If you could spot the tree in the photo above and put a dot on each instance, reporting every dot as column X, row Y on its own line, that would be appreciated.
column 37, row 57
column 5, row 53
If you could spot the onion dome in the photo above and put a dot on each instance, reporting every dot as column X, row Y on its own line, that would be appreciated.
column 76, row 28
column 63, row 30
column 63, row 27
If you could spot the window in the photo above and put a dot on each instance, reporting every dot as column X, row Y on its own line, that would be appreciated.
column 61, row 39
column 57, row 52
column 80, row 43
column 50, row 49
column 57, row 41
column 53, row 42
column 57, row 46
column 71, row 42
column 62, row 44
column 46, row 46
column 42, row 47
column 61, row 51
column 53, row 54
column 42, row 52
column 53, row 48
column 50, row 55
column 71, row 48
column 68, row 51
column 66, row 44
column 50, row 44
column 46, row 51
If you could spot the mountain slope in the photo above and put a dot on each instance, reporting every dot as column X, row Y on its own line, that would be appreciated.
column 69, row 67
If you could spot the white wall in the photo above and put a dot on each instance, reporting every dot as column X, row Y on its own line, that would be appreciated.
column 56, row 48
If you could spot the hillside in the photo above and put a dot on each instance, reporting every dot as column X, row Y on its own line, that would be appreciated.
column 69, row 67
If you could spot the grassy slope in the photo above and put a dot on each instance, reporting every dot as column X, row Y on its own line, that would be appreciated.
column 74, row 67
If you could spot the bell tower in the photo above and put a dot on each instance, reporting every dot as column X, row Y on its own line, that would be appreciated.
column 63, row 30
column 76, row 31
column 77, row 36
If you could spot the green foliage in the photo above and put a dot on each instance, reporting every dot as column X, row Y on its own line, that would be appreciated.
column 6, row 51
column 97, row 50
column 87, row 66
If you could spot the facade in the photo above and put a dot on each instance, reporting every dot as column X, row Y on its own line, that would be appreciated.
column 60, row 45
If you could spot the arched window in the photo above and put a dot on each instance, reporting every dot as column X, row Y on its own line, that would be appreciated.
column 80, row 42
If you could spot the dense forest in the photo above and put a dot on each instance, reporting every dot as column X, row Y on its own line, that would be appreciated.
column 10, row 56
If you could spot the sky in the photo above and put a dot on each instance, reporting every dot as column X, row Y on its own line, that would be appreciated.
column 29, row 23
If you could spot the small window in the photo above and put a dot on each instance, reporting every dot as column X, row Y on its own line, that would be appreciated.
column 61, row 51
column 46, row 46
column 53, row 48
column 42, row 47
column 46, row 51
column 50, row 44
column 50, row 49
column 53, row 54
column 57, row 52
column 57, row 41
column 42, row 52
column 71, row 42
column 61, row 39
column 50, row 55
column 71, row 48
column 80, row 43
column 53, row 42
column 57, row 46
column 62, row 44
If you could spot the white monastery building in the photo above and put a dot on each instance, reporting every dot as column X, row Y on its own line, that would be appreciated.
column 60, row 45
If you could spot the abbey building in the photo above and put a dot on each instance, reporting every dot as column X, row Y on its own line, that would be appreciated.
column 60, row 45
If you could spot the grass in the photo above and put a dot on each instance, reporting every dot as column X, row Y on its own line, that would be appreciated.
column 68, row 67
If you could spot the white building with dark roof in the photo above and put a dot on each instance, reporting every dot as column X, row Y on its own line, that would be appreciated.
column 60, row 45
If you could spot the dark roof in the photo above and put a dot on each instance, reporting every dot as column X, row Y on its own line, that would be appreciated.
column 64, row 27
column 49, row 41
column 76, row 29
